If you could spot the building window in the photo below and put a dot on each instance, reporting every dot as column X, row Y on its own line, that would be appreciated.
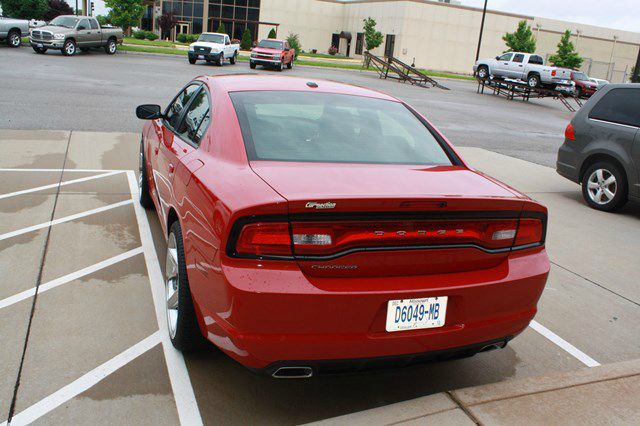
column 389, row 45
column 359, row 43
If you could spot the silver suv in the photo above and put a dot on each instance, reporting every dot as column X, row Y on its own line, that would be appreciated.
column 601, row 150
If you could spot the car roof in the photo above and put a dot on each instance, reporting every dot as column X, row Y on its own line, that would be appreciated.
column 260, row 82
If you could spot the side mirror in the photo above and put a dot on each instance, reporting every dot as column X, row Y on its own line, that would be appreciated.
column 497, row 57
column 148, row 112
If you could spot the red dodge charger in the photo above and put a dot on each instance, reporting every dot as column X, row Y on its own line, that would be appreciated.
column 314, row 227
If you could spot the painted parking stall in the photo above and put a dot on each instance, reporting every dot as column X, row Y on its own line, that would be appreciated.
column 98, row 310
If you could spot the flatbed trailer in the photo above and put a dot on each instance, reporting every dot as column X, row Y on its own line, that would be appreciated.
column 519, row 90
column 390, row 67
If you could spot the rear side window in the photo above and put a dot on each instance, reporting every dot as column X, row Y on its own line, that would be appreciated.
column 620, row 106
column 536, row 60
column 333, row 128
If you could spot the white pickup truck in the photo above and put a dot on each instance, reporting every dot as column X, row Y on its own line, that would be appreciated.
column 523, row 66
column 213, row 47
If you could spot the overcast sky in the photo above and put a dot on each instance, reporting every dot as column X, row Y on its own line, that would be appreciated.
column 619, row 14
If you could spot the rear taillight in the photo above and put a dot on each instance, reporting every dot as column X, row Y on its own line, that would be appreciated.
column 569, row 133
column 313, row 238
column 328, row 238
column 529, row 232
column 264, row 239
column 553, row 73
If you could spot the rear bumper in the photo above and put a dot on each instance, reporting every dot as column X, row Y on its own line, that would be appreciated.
column 274, row 315
column 567, row 164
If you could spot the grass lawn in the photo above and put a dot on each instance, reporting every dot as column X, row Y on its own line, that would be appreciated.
column 323, row 55
column 332, row 64
column 159, row 43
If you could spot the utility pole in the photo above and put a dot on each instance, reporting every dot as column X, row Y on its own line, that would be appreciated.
column 76, row 7
column 484, row 13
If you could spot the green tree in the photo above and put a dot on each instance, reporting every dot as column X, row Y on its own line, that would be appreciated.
column 221, row 29
column 247, row 40
column 24, row 9
column 566, row 56
column 521, row 40
column 294, row 42
column 272, row 33
column 372, row 37
column 125, row 13
column 104, row 20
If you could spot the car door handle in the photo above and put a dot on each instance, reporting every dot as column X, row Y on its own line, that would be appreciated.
column 171, row 168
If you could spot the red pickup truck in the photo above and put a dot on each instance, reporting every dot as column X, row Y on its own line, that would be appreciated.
column 271, row 52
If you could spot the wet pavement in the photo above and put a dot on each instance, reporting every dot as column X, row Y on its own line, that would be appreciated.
column 97, row 352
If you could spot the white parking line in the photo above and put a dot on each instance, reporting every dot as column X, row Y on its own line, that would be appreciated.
column 65, row 170
column 83, row 383
column 68, row 278
column 55, row 185
column 568, row 347
column 63, row 219
column 186, row 403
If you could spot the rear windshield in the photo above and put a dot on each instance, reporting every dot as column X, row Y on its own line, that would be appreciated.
column 334, row 128
column 270, row 44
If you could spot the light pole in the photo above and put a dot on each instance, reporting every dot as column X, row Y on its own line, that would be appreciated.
column 613, row 49
column 484, row 13
column 76, row 7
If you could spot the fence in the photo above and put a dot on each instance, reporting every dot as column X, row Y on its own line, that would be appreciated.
column 603, row 70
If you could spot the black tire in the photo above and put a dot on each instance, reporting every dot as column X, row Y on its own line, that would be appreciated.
column 111, row 47
column 40, row 50
column 290, row 64
column 14, row 39
column 69, row 48
column 483, row 73
column 233, row 58
column 592, row 186
column 533, row 80
column 220, row 60
column 578, row 92
column 143, row 182
column 192, row 61
column 188, row 336
column 252, row 65
column 280, row 66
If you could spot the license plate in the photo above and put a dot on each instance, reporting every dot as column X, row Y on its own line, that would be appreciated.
column 414, row 314
column 39, row 45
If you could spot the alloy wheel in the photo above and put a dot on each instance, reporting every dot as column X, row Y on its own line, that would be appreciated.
column 172, row 285
column 14, row 40
column 112, row 47
column 602, row 186
column 482, row 73
column 70, row 49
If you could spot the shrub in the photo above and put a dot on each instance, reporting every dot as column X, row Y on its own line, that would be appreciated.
column 140, row 35
column 272, row 33
column 182, row 38
column 235, row 41
column 294, row 42
column 150, row 35
column 245, row 44
column 221, row 29
column 332, row 50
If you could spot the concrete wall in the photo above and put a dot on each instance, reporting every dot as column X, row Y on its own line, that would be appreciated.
column 443, row 37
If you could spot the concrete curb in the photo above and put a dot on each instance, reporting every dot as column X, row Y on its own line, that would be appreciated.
column 517, row 401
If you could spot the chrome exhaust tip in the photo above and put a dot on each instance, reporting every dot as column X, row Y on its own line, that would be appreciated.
column 493, row 346
column 293, row 373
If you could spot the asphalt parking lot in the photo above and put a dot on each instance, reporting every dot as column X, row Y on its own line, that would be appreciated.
column 96, row 347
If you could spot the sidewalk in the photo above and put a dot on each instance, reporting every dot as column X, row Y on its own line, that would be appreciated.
column 602, row 395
